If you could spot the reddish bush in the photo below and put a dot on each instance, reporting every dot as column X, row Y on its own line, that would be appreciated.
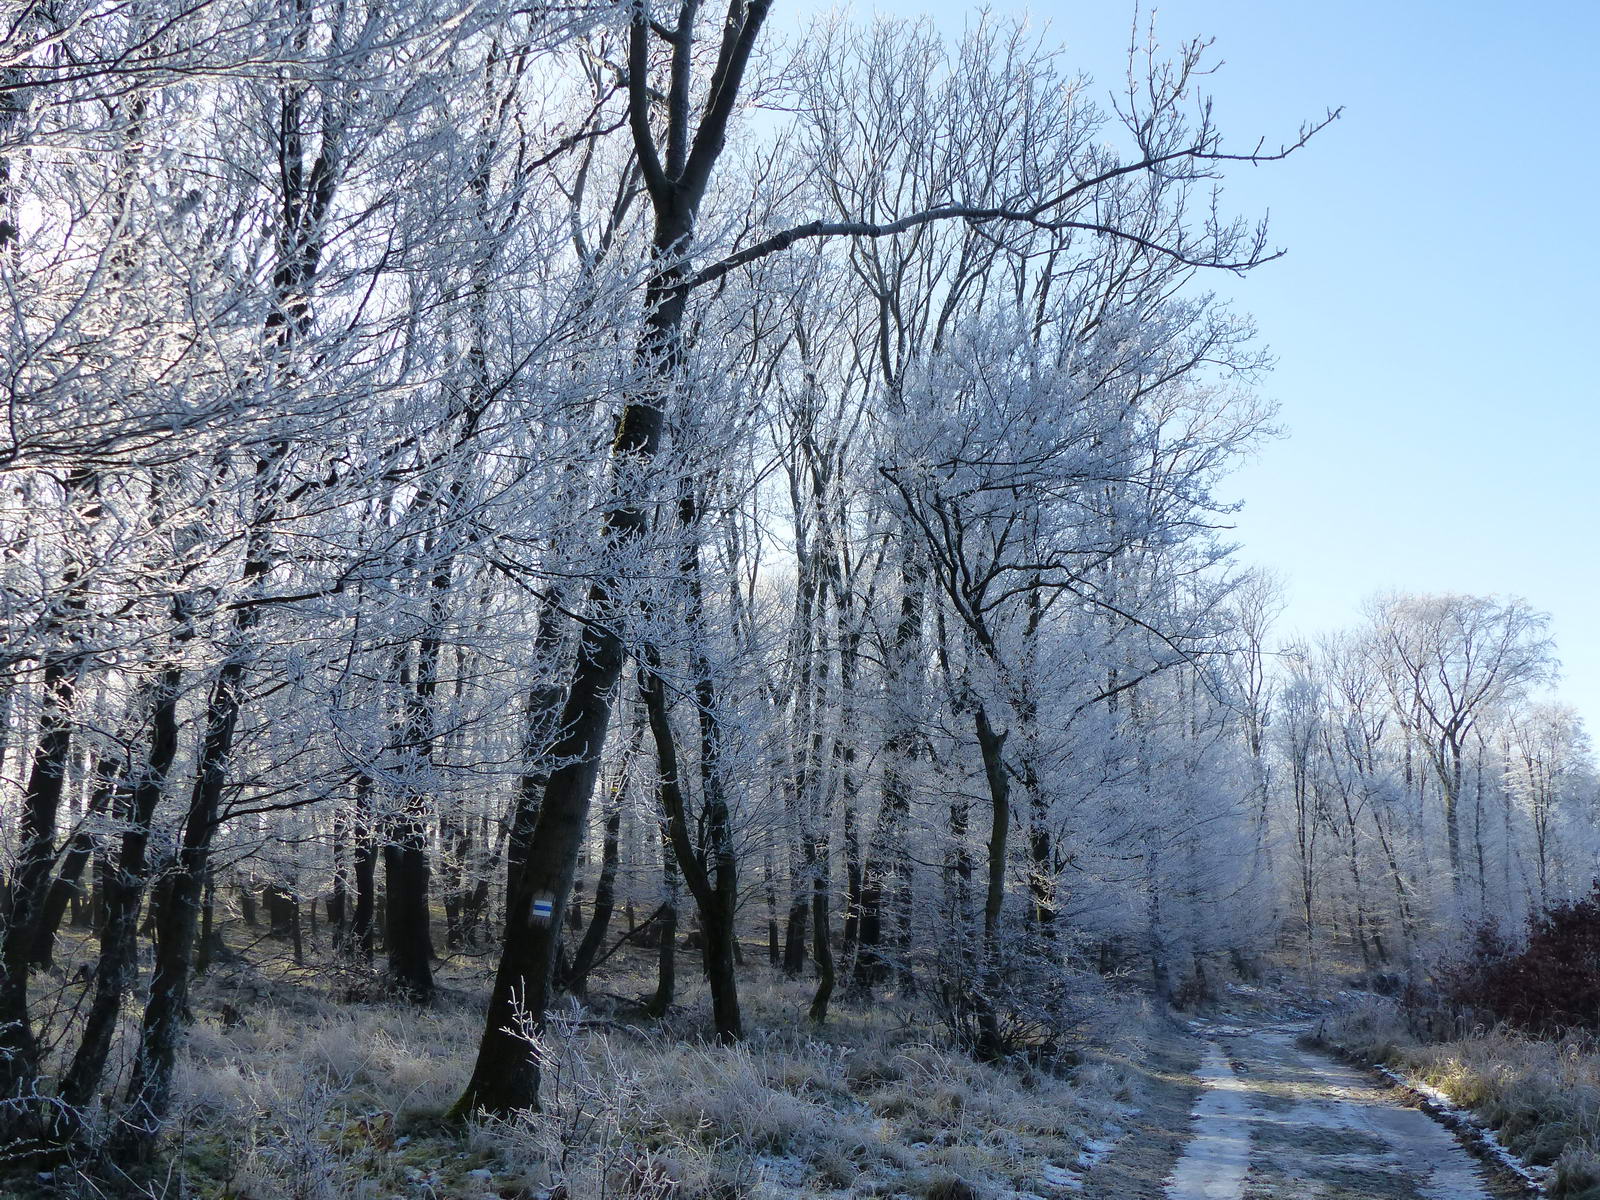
column 1550, row 984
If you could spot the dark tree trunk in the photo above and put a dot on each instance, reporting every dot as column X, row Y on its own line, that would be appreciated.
column 363, row 868
column 992, row 744
column 455, row 847
column 104, row 866
column 210, row 941
column 853, row 901
column 338, row 900
column 118, row 963
column 64, row 888
column 543, row 860
column 714, row 882
column 667, row 948
column 280, row 904
column 774, row 954
column 575, row 908
column 821, row 949
column 505, row 1077
column 406, row 935
column 407, row 938
column 23, row 899
column 177, row 909
column 604, row 893
column 708, row 869
column 475, row 908
column 794, row 934
column 887, row 873
column 1041, row 864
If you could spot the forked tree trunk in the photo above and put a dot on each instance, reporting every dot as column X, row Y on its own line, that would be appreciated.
column 117, row 965
column 605, row 892
column 706, row 869
column 177, row 910
column 65, row 888
column 505, row 1077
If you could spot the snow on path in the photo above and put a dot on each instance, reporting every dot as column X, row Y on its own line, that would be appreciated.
column 1214, row 1164
column 1282, row 1123
column 1420, row 1148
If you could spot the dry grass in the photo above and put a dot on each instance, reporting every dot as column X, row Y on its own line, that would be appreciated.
column 1541, row 1096
column 308, row 1099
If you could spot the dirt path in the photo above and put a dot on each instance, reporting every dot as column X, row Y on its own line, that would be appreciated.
column 1280, row 1122
column 1242, row 1112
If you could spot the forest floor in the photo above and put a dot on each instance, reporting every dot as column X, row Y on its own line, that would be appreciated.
column 296, row 1083
column 292, row 1089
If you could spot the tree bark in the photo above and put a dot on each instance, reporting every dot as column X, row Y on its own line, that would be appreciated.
column 22, row 903
column 604, row 891
column 667, row 949
column 992, row 745
column 407, row 939
column 363, row 868
column 117, row 965
column 176, row 913
column 65, row 889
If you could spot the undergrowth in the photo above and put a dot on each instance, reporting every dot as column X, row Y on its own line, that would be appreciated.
column 316, row 1100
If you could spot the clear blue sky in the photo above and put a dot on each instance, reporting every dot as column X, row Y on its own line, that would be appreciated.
column 1435, row 318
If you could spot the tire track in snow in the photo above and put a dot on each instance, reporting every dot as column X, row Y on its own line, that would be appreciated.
column 1214, row 1164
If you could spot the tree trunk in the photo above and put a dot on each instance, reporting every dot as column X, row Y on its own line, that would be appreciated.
column 667, row 950
column 338, row 900
column 118, row 965
column 24, row 898
column 708, row 870
column 505, row 1077
column 149, row 1095
column 992, row 745
column 794, row 937
column 280, row 903
column 363, row 867
column 774, row 955
column 64, row 888
column 821, row 948
column 604, row 891
column 210, row 940
column 407, row 938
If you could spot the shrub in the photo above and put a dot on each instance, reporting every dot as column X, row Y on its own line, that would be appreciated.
column 1027, row 1006
column 1550, row 984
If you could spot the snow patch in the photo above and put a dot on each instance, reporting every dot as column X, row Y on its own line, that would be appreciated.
column 1060, row 1178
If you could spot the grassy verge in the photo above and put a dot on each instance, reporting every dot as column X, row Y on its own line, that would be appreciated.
column 1542, row 1097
